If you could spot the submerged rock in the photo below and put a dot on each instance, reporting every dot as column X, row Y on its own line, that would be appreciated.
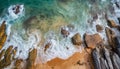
column 76, row 39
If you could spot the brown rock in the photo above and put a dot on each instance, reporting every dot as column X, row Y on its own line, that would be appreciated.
column 31, row 59
column 92, row 40
column 118, row 27
column 76, row 39
column 7, row 58
column 2, row 29
column 64, row 32
column 2, row 41
column 111, row 23
column 99, row 28
column 2, row 34
column 18, row 64
column 17, row 9
column 111, row 37
column 47, row 46
column 9, row 50
column 14, row 52
column 105, row 58
column 2, row 54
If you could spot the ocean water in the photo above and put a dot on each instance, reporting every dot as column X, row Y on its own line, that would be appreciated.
column 40, row 22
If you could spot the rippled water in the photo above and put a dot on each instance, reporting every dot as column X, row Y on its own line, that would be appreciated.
column 43, row 19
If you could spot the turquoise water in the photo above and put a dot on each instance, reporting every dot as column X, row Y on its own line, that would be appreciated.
column 33, row 6
column 53, row 7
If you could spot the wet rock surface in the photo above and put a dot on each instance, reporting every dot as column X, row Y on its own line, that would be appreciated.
column 108, row 57
column 92, row 40
column 3, row 35
column 6, row 61
column 47, row 46
column 18, row 64
column 111, row 37
column 64, row 32
column 99, row 28
column 105, row 58
column 76, row 39
column 31, row 59
column 111, row 23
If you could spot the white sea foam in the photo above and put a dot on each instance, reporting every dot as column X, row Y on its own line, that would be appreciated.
column 58, row 48
column 12, row 14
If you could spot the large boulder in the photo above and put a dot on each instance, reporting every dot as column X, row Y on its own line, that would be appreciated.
column 92, row 41
column 76, row 39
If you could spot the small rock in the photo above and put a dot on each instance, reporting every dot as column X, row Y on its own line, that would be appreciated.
column 7, row 58
column 14, row 52
column 47, row 46
column 17, row 9
column 9, row 50
column 64, row 32
column 99, row 28
column 95, row 17
column 76, row 39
